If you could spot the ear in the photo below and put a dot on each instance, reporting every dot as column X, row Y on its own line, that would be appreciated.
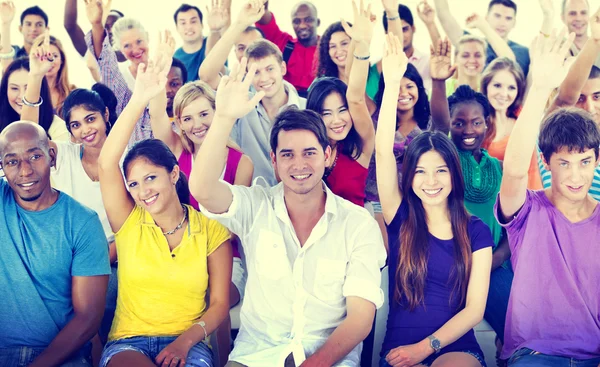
column 283, row 68
column 106, row 115
column 274, row 164
column 545, row 163
column 328, row 152
column 318, row 22
column 21, row 29
column 52, row 154
column 175, row 175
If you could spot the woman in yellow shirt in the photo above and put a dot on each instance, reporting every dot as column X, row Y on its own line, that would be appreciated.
column 169, row 254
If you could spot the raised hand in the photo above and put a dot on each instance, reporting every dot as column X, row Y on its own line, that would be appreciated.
column 474, row 21
column 94, row 11
column 546, row 6
column 440, row 63
column 234, row 87
column 390, row 5
column 106, row 6
column 251, row 12
column 218, row 16
column 394, row 60
column 426, row 12
column 151, row 79
column 166, row 43
column 595, row 25
column 7, row 12
column 364, row 20
column 549, row 64
column 40, row 57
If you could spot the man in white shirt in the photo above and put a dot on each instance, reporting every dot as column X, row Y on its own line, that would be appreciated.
column 313, row 258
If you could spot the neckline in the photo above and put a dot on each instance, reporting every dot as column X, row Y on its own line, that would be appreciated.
column 547, row 201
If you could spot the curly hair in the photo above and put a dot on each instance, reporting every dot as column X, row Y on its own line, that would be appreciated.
column 326, row 66
column 465, row 94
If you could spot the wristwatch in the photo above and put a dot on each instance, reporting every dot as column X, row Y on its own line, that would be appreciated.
column 435, row 343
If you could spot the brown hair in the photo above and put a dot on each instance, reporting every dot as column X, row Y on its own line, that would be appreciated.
column 262, row 48
column 63, row 86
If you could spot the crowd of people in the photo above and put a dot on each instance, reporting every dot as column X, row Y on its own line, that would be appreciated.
column 135, row 214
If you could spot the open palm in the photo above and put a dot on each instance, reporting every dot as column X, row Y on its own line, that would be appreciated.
column 234, row 87
column 440, row 63
column 93, row 10
column 151, row 79
column 7, row 12
column 550, row 66
column 394, row 60
column 364, row 22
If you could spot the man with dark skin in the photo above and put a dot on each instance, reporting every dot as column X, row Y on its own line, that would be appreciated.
column 54, row 268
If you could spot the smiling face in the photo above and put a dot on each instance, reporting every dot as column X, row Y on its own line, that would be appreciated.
column 195, row 119
column 88, row 127
column 470, row 59
column 300, row 161
column 468, row 126
column 269, row 75
column 408, row 32
column 189, row 26
column 305, row 23
column 502, row 91
column 32, row 27
column 502, row 19
column 432, row 182
column 336, row 117
column 409, row 95
column 151, row 186
column 17, row 84
column 572, row 173
column 338, row 48
column 134, row 46
column 589, row 98
column 576, row 17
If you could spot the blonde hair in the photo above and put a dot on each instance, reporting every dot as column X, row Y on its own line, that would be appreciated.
column 187, row 94
column 123, row 25
column 63, row 86
column 469, row 38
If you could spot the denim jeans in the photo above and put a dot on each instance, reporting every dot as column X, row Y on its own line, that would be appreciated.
column 199, row 355
column 527, row 357
column 497, row 301
column 24, row 356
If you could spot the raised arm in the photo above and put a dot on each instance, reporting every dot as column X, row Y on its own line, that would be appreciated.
column 73, row 29
column 217, row 17
column 453, row 30
column 570, row 89
column 267, row 15
column 394, row 67
column 205, row 184
column 361, row 33
column 38, row 67
column 149, row 82
column 549, row 70
column 213, row 63
column 441, row 68
column 95, row 11
column 499, row 45
column 7, row 14
column 548, row 19
column 393, row 17
column 427, row 15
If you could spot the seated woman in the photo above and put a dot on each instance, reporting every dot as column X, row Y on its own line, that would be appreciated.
column 439, row 255
column 169, row 254
column 470, row 61
column 58, row 76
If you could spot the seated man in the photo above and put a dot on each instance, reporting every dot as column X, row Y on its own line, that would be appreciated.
column 553, row 314
column 54, row 264
column 313, row 258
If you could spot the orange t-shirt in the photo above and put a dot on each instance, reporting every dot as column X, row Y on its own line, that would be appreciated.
column 497, row 149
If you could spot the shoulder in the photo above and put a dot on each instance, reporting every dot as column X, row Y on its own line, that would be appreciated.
column 479, row 234
column 74, row 210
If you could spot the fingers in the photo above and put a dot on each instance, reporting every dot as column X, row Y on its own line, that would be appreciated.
column 566, row 45
column 347, row 27
column 256, row 99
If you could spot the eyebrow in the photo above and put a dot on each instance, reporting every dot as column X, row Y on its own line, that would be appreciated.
column 442, row 166
column 291, row 150
column 30, row 150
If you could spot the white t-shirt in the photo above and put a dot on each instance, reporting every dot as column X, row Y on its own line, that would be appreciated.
column 58, row 130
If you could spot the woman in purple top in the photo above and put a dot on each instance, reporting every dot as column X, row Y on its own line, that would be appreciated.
column 439, row 256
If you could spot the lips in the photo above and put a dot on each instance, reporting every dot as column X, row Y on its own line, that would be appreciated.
column 469, row 141
column 27, row 185
column 432, row 192
column 90, row 138
column 302, row 177
column 151, row 200
column 338, row 129
column 199, row 133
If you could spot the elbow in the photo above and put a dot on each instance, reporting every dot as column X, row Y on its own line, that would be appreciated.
column 198, row 188
column 355, row 99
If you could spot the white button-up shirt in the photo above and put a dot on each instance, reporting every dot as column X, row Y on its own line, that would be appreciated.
column 296, row 295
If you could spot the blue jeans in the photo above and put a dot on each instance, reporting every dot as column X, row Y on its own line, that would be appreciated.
column 199, row 355
column 497, row 301
column 530, row 358
column 24, row 356
column 429, row 360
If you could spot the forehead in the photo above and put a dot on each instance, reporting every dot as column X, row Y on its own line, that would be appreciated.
column 574, row 155
column 132, row 34
column 296, row 140
column 467, row 109
column 140, row 167
column 576, row 5
column 18, row 77
column 333, row 99
column 19, row 143
column 431, row 158
column 304, row 11
column 247, row 38
column 470, row 46
column 504, row 76
column 591, row 86
column 79, row 112
column 174, row 72
column 187, row 15
column 263, row 62
column 33, row 18
column 199, row 104
column 502, row 10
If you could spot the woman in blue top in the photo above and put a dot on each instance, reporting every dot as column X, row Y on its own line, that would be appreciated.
column 439, row 256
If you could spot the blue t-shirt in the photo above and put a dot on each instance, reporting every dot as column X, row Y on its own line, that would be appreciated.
column 406, row 327
column 193, row 61
column 521, row 54
column 41, row 252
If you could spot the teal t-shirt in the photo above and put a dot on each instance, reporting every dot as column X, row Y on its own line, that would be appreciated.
column 41, row 252
column 193, row 61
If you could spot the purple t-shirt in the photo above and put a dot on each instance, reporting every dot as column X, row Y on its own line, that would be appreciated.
column 554, row 305
column 407, row 327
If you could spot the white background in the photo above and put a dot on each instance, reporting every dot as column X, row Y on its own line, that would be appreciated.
column 157, row 15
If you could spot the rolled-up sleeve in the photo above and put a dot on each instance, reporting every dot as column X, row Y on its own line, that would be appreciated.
column 363, row 274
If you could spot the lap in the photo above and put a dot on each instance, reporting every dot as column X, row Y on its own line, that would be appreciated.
column 530, row 358
column 452, row 359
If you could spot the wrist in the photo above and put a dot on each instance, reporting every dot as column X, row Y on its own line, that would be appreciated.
column 426, row 348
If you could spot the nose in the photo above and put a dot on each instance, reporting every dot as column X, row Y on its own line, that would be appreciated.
column 431, row 179
column 468, row 128
column 25, row 168
column 298, row 162
column 575, row 173
column 588, row 105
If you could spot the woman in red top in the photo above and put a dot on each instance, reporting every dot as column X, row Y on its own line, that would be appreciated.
column 347, row 118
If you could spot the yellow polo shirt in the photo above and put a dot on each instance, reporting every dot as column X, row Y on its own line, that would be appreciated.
column 162, row 293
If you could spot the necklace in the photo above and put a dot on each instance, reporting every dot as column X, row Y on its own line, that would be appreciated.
column 185, row 213
column 482, row 181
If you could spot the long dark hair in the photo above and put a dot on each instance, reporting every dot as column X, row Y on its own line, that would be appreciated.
column 96, row 100
column 326, row 66
column 8, row 114
column 352, row 144
column 414, row 234
column 422, row 112
column 159, row 154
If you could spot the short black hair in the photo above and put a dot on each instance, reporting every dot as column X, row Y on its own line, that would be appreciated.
column 119, row 13
column 594, row 73
column 405, row 15
column 186, row 7
column 292, row 118
column 508, row 3
column 34, row 10
column 179, row 64
column 571, row 128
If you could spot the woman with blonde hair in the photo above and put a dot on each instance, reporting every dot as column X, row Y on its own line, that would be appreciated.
column 470, row 61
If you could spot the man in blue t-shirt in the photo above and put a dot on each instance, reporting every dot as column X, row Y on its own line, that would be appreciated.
column 54, row 265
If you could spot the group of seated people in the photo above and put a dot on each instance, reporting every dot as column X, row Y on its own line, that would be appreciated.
column 135, row 214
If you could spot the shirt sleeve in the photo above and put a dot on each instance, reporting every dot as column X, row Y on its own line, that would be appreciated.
column 274, row 34
column 90, row 252
column 515, row 228
column 217, row 234
column 58, row 130
column 480, row 235
column 363, row 274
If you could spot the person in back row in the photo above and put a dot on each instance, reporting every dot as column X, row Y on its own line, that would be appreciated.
column 313, row 258
column 54, row 268
column 552, row 320
column 34, row 22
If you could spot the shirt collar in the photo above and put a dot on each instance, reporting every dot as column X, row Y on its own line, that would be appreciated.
column 281, row 209
column 417, row 55
column 293, row 99
column 193, row 225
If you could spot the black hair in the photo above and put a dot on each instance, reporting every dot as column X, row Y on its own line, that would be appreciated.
column 422, row 111
column 179, row 64
column 351, row 145
column 119, row 13
column 158, row 153
column 187, row 7
column 571, row 128
column 465, row 94
column 34, row 10
column 326, row 66
column 594, row 72
column 291, row 118
column 98, row 99
column 256, row 29
column 508, row 3
column 405, row 15
column 8, row 114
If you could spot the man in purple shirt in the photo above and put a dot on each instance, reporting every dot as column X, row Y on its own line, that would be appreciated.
column 553, row 314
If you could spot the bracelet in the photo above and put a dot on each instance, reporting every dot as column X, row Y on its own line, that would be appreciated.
column 362, row 57
column 202, row 324
column 392, row 18
column 8, row 55
column 544, row 34
column 27, row 103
